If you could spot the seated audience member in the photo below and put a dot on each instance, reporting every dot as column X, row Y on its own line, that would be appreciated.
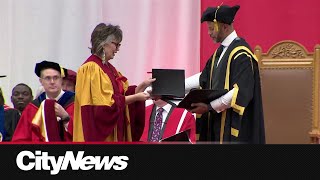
column 69, row 82
column 21, row 96
column 9, row 118
column 164, row 120
column 49, row 117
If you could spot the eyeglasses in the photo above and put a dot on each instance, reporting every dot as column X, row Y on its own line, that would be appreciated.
column 50, row 79
column 116, row 44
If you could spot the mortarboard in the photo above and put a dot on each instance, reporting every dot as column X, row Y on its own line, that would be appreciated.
column 46, row 65
column 169, row 83
column 224, row 14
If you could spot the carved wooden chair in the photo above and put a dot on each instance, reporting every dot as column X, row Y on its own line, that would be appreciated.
column 290, row 93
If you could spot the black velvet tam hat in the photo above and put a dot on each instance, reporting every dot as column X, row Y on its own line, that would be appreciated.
column 48, row 65
column 224, row 14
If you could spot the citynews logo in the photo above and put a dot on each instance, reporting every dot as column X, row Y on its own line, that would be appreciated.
column 42, row 161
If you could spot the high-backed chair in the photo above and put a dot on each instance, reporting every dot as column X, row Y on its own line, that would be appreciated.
column 290, row 93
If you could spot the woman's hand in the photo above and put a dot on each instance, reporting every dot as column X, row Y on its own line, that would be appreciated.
column 141, row 96
column 142, row 86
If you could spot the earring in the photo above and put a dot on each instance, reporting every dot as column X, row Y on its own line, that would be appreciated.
column 103, row 58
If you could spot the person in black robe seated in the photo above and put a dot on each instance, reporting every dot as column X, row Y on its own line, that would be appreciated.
column 9, row 118
column 21, row 96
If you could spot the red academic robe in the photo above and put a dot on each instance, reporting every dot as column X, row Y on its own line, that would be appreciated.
column 175, row 124
column 34, row 122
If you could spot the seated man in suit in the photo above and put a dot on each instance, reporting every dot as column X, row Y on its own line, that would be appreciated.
column 164, row 120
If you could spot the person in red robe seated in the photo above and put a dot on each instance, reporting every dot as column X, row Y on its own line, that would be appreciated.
column 107, row 109
column 173, row 121
column 69, row 82
column 49, row 117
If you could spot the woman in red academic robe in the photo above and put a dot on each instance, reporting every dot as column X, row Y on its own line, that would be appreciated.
column 106, row 107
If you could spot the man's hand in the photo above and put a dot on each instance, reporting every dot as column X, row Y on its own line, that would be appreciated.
column 199, row 108
column 60, row 111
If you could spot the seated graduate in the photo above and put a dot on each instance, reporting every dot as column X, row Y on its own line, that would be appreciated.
column 9, row 118
column 164, row 120
column 49, row 117
column 21, row 96
column 69, row 81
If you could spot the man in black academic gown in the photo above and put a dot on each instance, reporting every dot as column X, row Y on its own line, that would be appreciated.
column 237, row 116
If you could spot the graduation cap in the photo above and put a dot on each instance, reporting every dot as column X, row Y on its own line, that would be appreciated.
column 223, row 14
column 49, row 65
column 169, row 84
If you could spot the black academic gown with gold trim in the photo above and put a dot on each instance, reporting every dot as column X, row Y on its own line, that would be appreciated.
column 244, row 121
column 10, row 119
